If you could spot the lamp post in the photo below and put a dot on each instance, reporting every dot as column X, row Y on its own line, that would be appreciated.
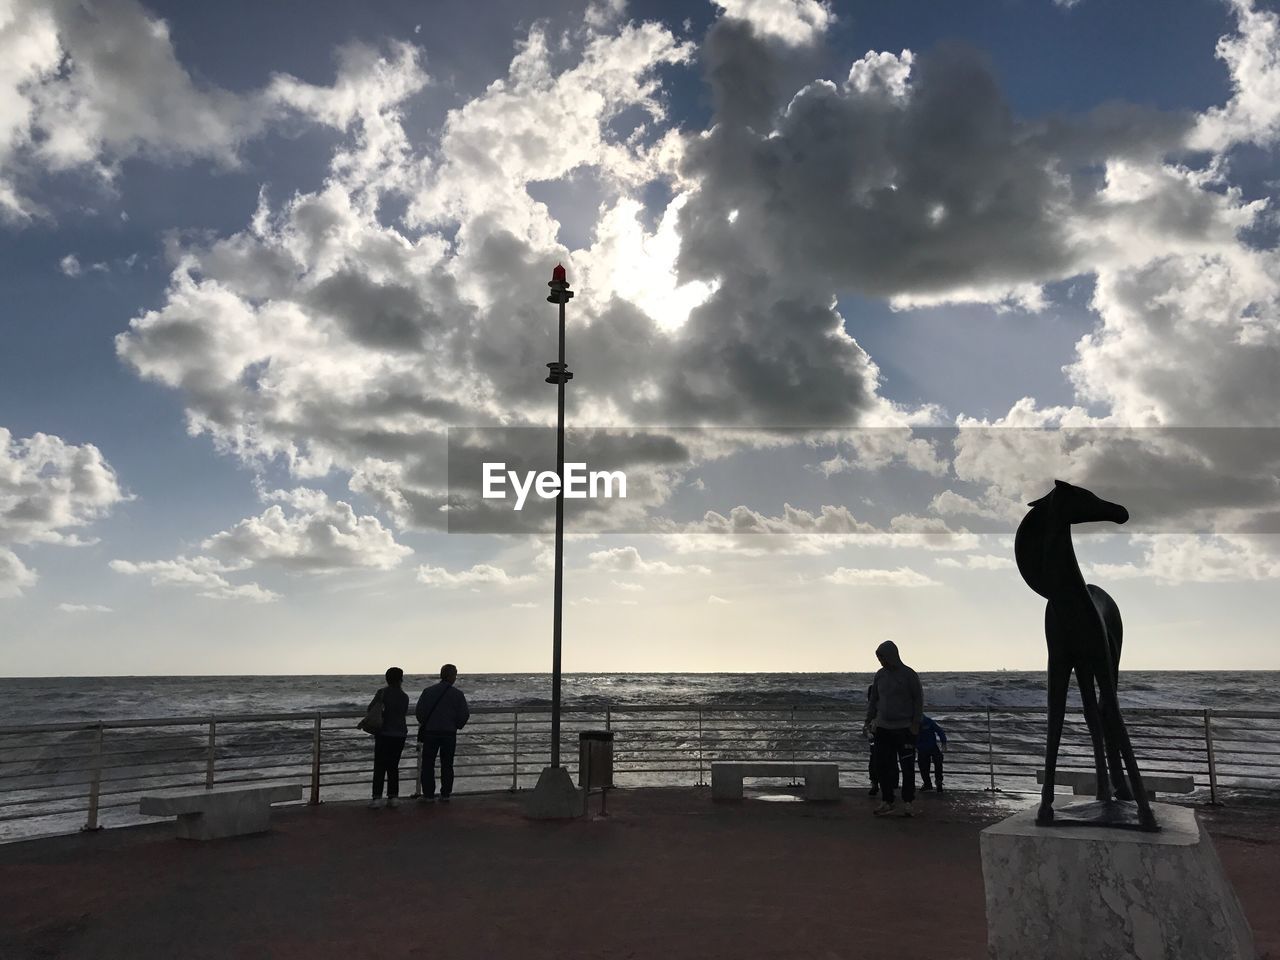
column 555, row 797
column 560, row 376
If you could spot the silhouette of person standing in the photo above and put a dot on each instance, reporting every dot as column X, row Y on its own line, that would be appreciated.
column 441, row 711
column 388, row 741
column 896, row 708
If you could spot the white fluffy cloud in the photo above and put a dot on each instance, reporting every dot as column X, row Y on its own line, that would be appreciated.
column 482, row 574
column 205, row 575
column 321, row 536
column 88, row 84
column 1175, row 559
column 791, row 21
column 628, row 560
column 15, row 576
column 869, row 577
column 1253, row 57
column 49, row 490
column 303, row 533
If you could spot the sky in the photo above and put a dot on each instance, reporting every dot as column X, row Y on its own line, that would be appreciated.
column 853, row 282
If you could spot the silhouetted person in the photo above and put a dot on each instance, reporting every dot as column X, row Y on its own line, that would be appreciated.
column 388, row 741
column 930, row 745
column 895, row 707
column 441, row 712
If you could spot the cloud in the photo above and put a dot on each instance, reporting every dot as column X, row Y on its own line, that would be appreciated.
column 1172, row 559
column 878, row 448
column 898, row 577
column 628, row 560
column 87, row 86
column 977, row 562
column 790, row 21
column 320, row 537
column 202, row 574
column 750, row 533
column 713, row 599
column 70, row 265
column 48, row 490
column 913, row 180
column 84, row 608
column 480, row 574
column 1252, row 56
column 316, row 536
column 15, row 576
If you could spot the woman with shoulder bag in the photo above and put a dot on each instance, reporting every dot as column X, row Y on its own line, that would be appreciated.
column 388, row 736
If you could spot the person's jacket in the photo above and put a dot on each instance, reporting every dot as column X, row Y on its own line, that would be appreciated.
column 897, row 699
column 930, row 734
column 442, row 709
column 395, row 711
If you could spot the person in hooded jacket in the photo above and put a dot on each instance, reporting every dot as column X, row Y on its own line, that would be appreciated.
column 895, row 710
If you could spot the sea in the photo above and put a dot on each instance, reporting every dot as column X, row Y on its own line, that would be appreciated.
column 25, row 701
column 45, row 773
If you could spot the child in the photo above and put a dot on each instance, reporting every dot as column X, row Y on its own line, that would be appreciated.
column 928, row 750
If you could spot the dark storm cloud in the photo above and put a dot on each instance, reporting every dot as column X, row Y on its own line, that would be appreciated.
column 903, row 189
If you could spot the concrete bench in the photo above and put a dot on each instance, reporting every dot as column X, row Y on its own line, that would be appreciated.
column 1084, row 783
column 221, row 811
column 821, row 778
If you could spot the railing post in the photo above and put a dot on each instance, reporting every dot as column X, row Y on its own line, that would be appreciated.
column 208, row 763
column 315, row 763
column 515, row 750
column 1208, row 746
column 95, row 784
column 608, row 717
column 701, row 782
column 794, row 781
column 991, row 759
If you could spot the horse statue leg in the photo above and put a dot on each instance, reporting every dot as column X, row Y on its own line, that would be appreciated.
column 1089, row 704
column 1113, row 628
column 1059, row 680
column 1117, row 734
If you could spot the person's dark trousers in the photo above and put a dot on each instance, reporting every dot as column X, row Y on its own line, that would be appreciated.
column 934, row 758
column 386, row 765
column 896, row 750
column 446, row 744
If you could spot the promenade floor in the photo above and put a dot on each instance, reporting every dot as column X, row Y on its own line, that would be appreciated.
column 668, row 875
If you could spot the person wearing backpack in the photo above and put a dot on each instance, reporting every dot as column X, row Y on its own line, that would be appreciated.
column 441, row 712
column 387, row 719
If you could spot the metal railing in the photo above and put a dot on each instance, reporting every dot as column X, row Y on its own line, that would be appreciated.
column 55, row 778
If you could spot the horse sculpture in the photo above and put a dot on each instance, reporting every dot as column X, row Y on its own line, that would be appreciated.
column 1083, row 630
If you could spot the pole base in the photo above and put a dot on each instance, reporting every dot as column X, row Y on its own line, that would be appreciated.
column 554, row 798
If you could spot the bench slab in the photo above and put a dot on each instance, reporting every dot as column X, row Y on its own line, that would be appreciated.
column 821, row 777
column 1084, row 783
column 220, row 812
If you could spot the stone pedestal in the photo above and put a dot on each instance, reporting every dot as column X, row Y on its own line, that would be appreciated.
column 1062, row 893
column 554, row 798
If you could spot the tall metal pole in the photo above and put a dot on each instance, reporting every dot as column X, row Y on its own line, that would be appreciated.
column 560, row 375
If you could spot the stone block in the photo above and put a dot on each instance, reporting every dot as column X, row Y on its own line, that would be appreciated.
column 821, row 777
column 1066, row 892
column 555, row 797
column 221, row 811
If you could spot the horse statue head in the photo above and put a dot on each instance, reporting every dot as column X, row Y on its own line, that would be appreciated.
column 1040, row 546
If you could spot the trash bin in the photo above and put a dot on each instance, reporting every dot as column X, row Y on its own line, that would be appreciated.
column 595, row 759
